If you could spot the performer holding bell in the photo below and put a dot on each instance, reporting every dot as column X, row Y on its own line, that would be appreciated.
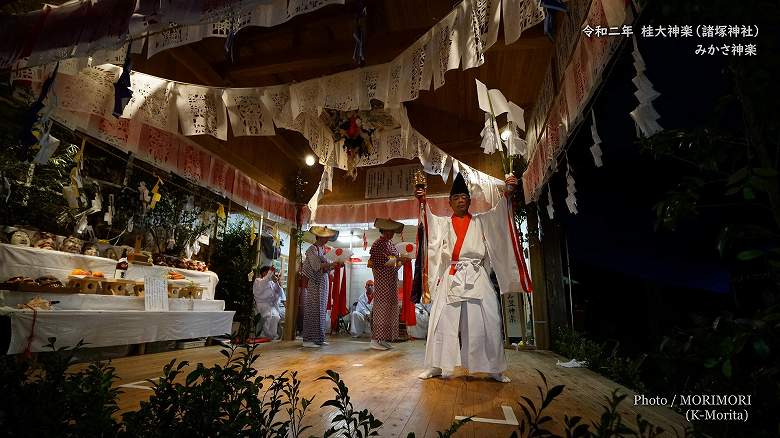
column 384, row 262
column 461, row 251
column 315, row 268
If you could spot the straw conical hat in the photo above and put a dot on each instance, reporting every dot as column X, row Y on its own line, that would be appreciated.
column 319, row 231
column 388, row 224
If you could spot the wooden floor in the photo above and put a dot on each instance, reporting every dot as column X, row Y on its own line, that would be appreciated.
column 385, row 382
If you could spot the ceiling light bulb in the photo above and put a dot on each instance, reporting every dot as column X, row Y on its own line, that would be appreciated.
column 506, row 132
column 310, row 160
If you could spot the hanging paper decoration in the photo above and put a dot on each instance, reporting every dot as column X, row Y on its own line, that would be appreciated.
column 645, row 116
column 221, row 211
column 595, row 150
column 490, row 136
column 108, row 217
column 122, row 91
column 156, row 193
column 31, row 118
column 550, row 6
column 550, row 209
column 571, row 200
column 493, row 103
column 41, row 131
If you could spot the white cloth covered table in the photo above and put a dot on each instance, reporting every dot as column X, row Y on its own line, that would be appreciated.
column 34, row 262
column 103, row 328
column 107, row 302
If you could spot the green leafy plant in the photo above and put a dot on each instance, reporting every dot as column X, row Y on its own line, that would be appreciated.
column 608, row 362
column 173, row 225
column 534, row 420
column 233, row 259
column 44, row 399
column 454, row 427
column 222, row 400
column 611, row 422
column 349, row 422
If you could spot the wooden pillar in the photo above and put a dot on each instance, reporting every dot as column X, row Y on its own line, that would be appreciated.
column 541, row 327
column 291, row 314
column 558, row 310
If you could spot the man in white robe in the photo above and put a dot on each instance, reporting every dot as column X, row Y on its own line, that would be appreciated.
column 360, row 320
column 268, row 292
column 464, row 328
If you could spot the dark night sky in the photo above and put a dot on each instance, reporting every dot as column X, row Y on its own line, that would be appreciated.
column 614, row 230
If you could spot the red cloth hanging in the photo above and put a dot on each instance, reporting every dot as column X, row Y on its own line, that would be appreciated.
column 336, row 299
column 343, row 295
column 407, row 306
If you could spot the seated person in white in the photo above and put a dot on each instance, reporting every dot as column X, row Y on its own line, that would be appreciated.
column 267, row 292
column 361, row 316
column 420, row 330
column 281, row 303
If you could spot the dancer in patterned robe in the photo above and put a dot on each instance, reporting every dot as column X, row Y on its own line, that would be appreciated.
column 384, row 262
column 316, row 268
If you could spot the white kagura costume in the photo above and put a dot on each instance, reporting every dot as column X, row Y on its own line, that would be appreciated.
column 462, row 296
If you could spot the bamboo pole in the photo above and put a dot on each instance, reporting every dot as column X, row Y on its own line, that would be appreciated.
column 291, row 314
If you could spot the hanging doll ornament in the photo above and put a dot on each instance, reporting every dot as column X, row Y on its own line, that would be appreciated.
column 143, row 195
column 356, row 142
column 353, row 133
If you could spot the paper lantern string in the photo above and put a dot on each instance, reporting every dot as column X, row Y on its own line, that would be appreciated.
column 122, row 91
column 550, row 6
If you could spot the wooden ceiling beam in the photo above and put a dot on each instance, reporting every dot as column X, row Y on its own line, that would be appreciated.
column 194, row 62
column 220, row 149
column 524, row 43
column 329, row 54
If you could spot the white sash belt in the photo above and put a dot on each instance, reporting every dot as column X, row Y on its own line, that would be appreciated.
column 467, row 271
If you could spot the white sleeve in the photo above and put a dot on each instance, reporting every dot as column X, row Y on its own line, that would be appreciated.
column 503, row 248
column 437, row 229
